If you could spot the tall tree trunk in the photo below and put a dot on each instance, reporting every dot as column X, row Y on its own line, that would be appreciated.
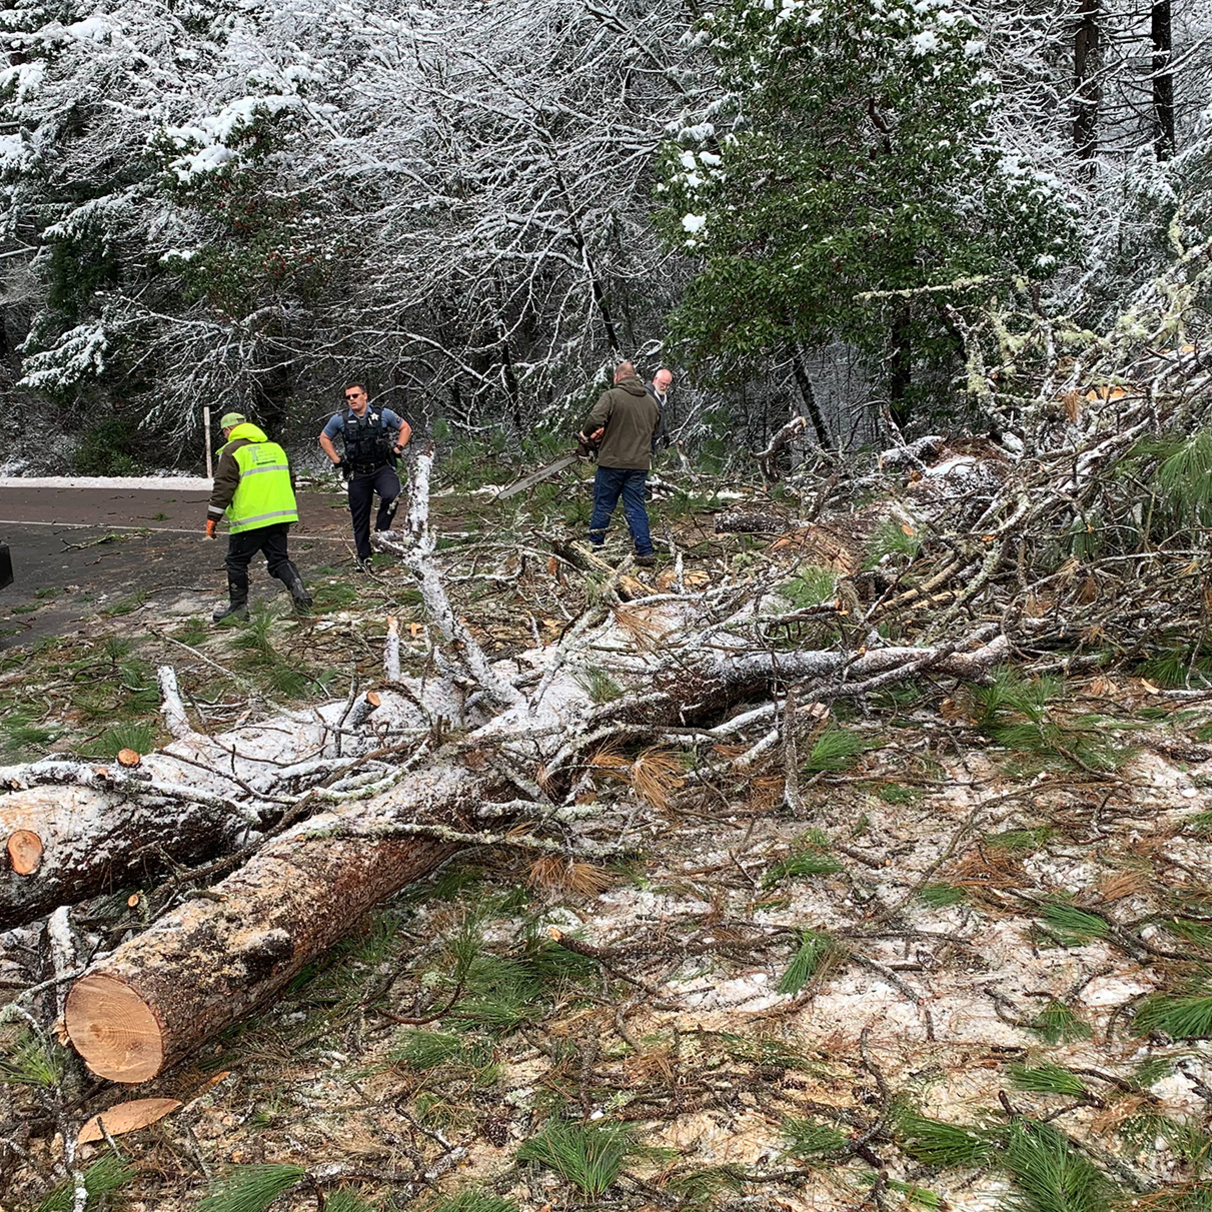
column 595, row 282
column 1087, row 59
column 1163, row 80
column 809, row 396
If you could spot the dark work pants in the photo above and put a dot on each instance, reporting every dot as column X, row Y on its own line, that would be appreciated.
column 609, row 483
column 362, row 489
column 244, row 544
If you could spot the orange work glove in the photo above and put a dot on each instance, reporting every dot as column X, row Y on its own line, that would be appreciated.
column 211, row 523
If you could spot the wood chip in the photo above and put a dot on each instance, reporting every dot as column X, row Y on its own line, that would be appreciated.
column 126, row 1117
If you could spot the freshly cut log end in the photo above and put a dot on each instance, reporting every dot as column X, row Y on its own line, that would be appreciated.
column 24, row 851
column 374, row 699
column 114, row 1030
column 128, row 758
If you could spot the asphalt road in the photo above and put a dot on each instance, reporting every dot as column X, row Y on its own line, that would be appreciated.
column 81, row 551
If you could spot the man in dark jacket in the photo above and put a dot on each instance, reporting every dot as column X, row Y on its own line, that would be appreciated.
column 659, row 391
column 253, row 488
column 374, row 439
column 625, row 420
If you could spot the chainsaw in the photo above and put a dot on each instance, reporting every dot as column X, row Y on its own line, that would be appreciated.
column 584, row 450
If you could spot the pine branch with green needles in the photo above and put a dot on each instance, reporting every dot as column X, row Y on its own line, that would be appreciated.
column 102, row 1178
column 1195, row 1197
column 1183, row 478
column 32, row 1061
column 942, row 895
column 1072, row 927
column 811, row 857
column 472, row 1199
column 1049, row 1174
column 1057, row 1023
column 345, row 1200
column 251, row 1188
column 1186, row 1140
column 1047, row 1079
column 598, row 684
column 936, row 1143
column 589, row 1156
column 833, row 751
column 702, row 1187
column 814, row 948
column 811, row 587
column 1185, row 1016
column 1016, row 840
column 809, row 1140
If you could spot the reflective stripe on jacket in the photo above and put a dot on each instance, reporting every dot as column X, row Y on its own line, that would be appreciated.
column 260, row 473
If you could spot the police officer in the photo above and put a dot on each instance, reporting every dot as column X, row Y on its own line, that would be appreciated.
column 252, row 486
column 373, row 438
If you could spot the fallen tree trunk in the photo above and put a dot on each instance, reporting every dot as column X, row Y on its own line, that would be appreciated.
column 73, row 829
column 215, row 960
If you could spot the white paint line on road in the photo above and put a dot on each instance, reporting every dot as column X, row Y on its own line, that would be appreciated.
column 297, row 536
column 140, row 483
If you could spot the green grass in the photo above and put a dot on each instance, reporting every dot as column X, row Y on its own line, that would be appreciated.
column 588, row 1156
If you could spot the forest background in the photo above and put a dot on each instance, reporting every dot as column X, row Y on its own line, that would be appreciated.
column 801, row 207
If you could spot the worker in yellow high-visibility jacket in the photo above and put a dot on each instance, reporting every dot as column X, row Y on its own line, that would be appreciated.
column 253, row 488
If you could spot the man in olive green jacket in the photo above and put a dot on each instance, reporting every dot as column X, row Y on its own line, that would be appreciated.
column 625, row 420
column 253, row 488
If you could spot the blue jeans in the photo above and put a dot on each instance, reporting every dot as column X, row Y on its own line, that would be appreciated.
column 608, row 485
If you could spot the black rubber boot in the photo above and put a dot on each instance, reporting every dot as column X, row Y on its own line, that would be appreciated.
column 237, row 607
column 298, row 591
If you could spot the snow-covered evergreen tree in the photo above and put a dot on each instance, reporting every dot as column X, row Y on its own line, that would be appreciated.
column 852, row 149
